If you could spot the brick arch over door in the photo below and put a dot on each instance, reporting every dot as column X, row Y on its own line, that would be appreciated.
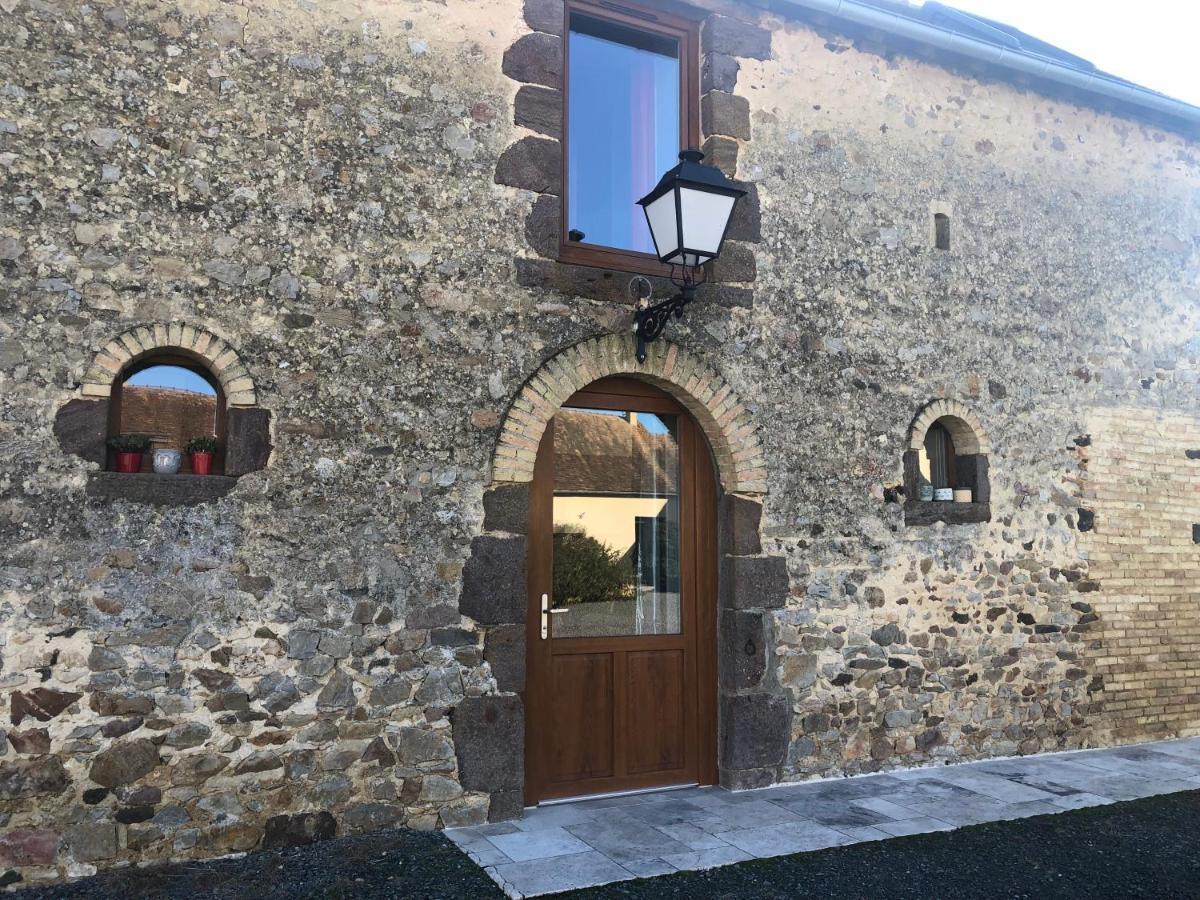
column 754, row 709
column 221, row 360
column 725, row 421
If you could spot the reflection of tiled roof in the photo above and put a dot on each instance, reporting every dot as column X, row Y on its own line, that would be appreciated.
column 603, row 454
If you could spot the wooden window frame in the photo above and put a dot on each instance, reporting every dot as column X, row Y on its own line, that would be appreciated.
column 687, row 32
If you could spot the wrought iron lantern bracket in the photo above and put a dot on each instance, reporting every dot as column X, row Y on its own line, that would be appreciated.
column 649, row 319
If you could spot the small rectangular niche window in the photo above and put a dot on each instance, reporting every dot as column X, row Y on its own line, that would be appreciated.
column 631, row 106
column 941, row 231
column 1196, row 534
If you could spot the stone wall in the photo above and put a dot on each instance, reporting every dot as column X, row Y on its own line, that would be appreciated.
column 910, row 645
column 316, row 187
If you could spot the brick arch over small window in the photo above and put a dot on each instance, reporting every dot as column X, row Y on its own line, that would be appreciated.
column 217, row 356
column 970, row 465
column 702, row 391
column 964, row 426
column 82, row 424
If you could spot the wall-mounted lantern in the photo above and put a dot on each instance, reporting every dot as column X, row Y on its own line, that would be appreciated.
column 688, row 213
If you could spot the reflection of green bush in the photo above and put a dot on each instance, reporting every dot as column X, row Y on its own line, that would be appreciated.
column 587, row 571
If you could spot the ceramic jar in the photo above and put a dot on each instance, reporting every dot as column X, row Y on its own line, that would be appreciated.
column 925, row 492
column 943, row 494
column 962, row 495
column 167, row 462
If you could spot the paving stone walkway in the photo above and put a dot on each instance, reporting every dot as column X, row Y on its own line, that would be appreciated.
column 593, row 842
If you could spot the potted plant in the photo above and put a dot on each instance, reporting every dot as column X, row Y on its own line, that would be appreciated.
column 201, row 450
column 129, row 449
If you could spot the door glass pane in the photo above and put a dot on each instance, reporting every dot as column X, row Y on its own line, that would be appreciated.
column 616, row 523
column 623, row 128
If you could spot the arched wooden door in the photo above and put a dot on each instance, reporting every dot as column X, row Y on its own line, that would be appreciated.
column 621, row 676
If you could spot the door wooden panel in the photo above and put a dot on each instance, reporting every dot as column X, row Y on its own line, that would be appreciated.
column 582, row 714
column 621, row 690
column 655, row 720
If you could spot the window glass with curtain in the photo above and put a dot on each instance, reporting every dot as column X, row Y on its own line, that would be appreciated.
column 939, row 449
column 623, row 127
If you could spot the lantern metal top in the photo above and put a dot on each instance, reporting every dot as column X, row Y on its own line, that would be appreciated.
column 691, row 172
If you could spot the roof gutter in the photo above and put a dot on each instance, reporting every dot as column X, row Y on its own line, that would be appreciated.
column 1022, row 61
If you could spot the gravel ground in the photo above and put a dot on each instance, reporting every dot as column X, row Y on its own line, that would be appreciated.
column 1147, row 848
column 399, row 865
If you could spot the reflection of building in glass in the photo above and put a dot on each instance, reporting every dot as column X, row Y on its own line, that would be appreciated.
column 170, row 404
column 616, row 521
column 169, row 416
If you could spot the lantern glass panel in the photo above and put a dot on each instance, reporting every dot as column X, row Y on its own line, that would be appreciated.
column 704, row 216
column 664, row 225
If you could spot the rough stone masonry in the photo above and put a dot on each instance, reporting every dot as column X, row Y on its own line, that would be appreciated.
column 334, row 206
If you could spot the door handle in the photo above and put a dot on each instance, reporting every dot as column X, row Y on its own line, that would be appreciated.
column 547, row 610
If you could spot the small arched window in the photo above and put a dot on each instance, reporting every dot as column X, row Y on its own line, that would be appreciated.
column 171, row 398
column 947, row 449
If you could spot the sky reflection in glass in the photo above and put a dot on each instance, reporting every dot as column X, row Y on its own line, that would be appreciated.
column 172, row 377
column 624, row 128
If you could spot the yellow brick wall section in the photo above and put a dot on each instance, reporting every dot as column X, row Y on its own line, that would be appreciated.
column 1145, row 493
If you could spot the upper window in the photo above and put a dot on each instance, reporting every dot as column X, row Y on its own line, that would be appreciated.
column 631, row 108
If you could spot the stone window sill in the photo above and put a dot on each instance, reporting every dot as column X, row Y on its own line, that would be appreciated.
column 927, row 512
column 159, row 490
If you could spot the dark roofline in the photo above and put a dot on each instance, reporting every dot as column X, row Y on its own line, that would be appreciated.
column 983, row 46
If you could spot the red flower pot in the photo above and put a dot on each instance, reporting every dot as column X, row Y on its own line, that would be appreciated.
column 129, row 462
column 202, row 463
